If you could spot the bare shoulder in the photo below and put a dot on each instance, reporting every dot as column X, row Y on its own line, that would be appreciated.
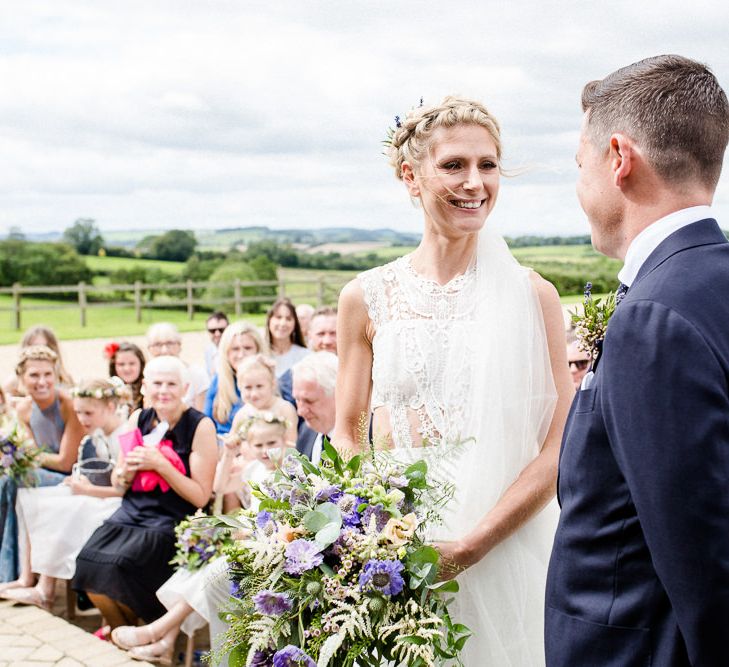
column 205, row 429
column 23, row 408
column 546, row 292
column 351, row 298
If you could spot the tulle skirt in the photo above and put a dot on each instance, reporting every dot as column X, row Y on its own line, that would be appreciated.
column 58, row 524
column 206, row 590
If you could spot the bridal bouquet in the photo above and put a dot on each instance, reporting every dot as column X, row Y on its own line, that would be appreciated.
column 334, row 569
column 18, row 452
column 199, row 541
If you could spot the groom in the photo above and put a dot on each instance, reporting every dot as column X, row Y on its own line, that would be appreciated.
column 639, row 573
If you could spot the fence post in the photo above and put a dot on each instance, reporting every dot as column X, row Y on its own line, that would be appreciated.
column 281, row 287
column 190, row 306
column 16, row 304
column 236, row 296
column 138, row 300
column 82, row 302
column 320, row 291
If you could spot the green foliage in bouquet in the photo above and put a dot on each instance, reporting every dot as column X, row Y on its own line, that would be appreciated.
column 200, row 540
column 335, row 570
column 19, row 455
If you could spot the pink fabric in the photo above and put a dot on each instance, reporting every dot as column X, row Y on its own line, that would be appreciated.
column 147, row 480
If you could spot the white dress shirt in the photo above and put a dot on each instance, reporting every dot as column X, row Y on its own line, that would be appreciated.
column 317, row 447
column 653, row 235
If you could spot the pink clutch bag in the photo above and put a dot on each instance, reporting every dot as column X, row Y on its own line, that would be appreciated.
column 147, row 480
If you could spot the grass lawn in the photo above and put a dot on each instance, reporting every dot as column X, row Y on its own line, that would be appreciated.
column 107, row 264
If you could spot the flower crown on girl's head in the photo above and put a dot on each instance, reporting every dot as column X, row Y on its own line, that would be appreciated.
column 258, row 418
column 118, row 390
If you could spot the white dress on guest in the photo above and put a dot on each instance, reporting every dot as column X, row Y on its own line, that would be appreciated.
column 206, row 590
column 58, row 523
column 468, row 361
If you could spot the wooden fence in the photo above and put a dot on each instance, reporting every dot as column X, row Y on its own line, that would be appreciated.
column 143, row 296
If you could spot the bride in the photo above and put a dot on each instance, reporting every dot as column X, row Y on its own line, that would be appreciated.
column 457, row 343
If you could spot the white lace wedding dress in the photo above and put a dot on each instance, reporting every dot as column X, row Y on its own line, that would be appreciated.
column 469, row 360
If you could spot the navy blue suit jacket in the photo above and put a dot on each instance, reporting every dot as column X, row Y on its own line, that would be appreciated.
column 639, row 573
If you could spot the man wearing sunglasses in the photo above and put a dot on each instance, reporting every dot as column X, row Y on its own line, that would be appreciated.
column 215, row 324
column 578, row 359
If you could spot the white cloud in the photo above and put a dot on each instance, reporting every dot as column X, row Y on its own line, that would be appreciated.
column 219, row 113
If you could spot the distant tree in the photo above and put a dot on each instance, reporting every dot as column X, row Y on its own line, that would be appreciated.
column 176, row 245
column 144, row 246
column 221, row 297
column 85, row 236
column 41, row 264
column 15, row 233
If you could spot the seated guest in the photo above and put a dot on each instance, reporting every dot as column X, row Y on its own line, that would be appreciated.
column 304, row 311
column 127, row 558
column 578, row 359
column 216, row 324
column 314, row 381
column 47, row 413
column 196, row 598
column 241, row 339
column 39, row 335
column 322, row 336
column 283, row 335
column 126, row 361
column 259, row 391
column 164, row 338
column 59, row 519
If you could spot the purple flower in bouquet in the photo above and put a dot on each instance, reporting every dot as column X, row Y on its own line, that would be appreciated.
column 271, row 603
column 236, row 590
column 262, row 659
column 398, row 481
column 329, row 494
column 348, row 505
column 292, row 467
column 381, row 516
column 292, row 656
column 383, row 576
column 299, row 497
column 263, row 518
column 302, row 555
column 7, row 460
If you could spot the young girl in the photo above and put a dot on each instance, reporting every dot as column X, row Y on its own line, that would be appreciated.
column 259, row 391
column 59, row 519
column 196, row 598
column 127, row 362
column 283, row 334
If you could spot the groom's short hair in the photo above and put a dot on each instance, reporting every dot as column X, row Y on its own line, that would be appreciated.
column 673, row 107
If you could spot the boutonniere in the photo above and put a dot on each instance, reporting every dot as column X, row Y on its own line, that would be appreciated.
column 591, row 324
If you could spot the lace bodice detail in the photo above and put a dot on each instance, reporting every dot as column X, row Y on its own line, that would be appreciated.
column 425, row 335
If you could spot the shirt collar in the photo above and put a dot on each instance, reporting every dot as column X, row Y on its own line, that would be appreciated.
column 653, row 235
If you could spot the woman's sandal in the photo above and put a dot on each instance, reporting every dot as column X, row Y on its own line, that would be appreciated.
column 28, row 596
column 149, row 654
column 128, row 637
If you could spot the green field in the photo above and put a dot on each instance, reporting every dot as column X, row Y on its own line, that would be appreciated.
column 107, row 264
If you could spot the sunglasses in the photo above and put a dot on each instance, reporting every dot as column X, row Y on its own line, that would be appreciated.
column 216, row 330
column 580, row 364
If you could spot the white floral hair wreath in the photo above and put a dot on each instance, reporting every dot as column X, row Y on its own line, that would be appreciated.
column 118, row 390
column 261, row 417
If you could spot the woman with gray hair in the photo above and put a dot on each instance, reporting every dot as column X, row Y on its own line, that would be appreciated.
column 127, row 559
column 163, row 338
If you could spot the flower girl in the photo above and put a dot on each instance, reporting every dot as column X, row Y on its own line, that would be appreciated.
column 194, row 598
column 256, row 376
column 58, row 520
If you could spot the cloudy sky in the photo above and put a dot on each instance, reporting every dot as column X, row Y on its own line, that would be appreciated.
column 211, row 114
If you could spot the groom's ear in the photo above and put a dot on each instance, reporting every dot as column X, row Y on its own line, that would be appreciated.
column 408, row 177
column 622, row 158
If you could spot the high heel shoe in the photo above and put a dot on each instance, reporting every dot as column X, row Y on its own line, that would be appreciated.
column 128, row 637
column 149, row 654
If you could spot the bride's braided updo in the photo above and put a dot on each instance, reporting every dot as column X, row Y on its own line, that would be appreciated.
column 410, row 141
